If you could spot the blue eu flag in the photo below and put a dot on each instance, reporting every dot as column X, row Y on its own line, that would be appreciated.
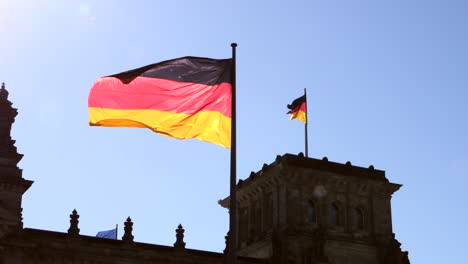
column 110, row 234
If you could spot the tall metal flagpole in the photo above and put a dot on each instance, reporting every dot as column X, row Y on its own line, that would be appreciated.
column 305, row 125
column 232, row 257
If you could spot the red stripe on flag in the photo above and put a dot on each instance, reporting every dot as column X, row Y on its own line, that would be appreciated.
column 160, row 94
column 302, row 108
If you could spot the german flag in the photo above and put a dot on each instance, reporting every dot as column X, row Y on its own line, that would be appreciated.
column 183, row 98
column 298, row 109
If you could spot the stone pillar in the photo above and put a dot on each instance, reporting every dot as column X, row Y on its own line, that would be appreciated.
column 12, row 184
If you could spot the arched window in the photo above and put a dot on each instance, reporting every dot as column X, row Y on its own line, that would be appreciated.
column 335, row 215
column 311, row 213
column 358, row 219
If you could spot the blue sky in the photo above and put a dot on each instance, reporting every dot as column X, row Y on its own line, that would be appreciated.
column 387, row 85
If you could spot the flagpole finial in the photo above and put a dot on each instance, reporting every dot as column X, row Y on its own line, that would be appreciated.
column 233, row 44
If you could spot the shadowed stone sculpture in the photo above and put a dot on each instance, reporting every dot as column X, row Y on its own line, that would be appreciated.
column 74, row 230
column 179, row 244
column 128, row 228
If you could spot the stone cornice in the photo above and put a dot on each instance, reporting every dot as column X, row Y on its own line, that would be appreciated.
column 284, row 168
column 15, row 184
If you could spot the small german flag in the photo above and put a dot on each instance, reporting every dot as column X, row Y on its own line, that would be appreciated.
column 298, row 109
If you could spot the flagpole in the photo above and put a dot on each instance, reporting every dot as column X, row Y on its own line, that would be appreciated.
column 305, row 125
column 116, row 231
column 232, row 253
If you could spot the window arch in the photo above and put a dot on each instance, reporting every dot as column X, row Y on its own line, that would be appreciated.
column 358, row 219
column 311, row 213
column 335, row 218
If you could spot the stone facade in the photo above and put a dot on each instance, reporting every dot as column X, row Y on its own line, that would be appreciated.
column 32, row 246
column 305, row 210
column 295, row 210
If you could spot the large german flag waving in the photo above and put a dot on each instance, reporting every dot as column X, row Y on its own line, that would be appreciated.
column 183, row 98
column 298, row 109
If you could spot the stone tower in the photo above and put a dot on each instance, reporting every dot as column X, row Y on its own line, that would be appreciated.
column 306, row 211
column 12, row 184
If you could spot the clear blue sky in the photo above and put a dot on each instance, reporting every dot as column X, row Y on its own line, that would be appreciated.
column 387, row 85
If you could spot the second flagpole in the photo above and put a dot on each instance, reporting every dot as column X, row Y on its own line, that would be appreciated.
column 305, row 125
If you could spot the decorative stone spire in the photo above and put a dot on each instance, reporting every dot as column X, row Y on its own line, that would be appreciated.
column 180, row 244
column 128, row 230
column 9, row 157
column 12, row 183
column 74, row 230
